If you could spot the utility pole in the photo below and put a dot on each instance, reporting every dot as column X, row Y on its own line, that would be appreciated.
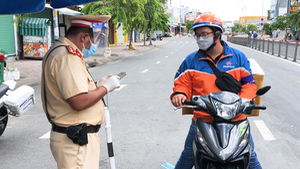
column 262, row 18
column 180, row 19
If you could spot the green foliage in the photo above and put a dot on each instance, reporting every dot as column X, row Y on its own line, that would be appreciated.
column 140, row 15
column 293, row 19
column 155, row 17
column 19, row 17
column 281, row 23
column 251, row 27
column 267, row 28
column 189, row 24
column 237, row 27
column 243, row 29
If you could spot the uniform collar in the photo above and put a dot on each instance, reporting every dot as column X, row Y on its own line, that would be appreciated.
column 71, row 46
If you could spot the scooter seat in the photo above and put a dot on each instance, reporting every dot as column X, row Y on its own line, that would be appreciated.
column 3, row 89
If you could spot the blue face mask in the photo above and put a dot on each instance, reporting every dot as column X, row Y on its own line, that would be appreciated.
column 90, row 52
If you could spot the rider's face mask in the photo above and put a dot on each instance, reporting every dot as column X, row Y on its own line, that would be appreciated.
column 89, row 52
column 204, row 42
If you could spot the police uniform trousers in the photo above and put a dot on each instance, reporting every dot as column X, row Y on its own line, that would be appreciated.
column 73, row 156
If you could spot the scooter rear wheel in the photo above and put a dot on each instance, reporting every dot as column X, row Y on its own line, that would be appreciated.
column 3, row 122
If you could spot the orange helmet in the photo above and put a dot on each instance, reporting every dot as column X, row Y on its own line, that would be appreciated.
column 208, row 19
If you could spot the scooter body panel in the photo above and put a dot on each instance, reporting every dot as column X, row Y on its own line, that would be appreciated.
column 220, row 144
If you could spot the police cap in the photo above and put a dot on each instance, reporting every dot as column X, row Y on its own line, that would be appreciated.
column 87, row 20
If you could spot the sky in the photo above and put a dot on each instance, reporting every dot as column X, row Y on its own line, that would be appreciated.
column 227, row 10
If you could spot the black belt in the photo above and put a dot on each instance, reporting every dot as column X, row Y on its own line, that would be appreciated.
column 90, row 129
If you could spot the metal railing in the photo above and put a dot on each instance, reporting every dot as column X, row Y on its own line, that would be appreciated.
column 279, row 48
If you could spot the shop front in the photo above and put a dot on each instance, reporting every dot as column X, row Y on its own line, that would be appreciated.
column 36, row 37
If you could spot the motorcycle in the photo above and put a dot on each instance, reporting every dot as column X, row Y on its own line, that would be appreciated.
column 13, row 101
column 223, row 144
column 160, row 37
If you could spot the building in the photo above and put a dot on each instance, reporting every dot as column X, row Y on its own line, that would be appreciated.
column 33, row 36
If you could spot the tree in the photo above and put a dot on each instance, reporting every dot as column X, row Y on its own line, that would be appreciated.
column 127, row 12
column 268, row 29
column 280, row 23
column 251, row 27
column 244, row 29
column 189, row 24
column 293, row 19
column 139, row 15
column 237, row 27
column 155, row 17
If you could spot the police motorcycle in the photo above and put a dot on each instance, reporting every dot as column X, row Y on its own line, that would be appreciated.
column 223, row 144
column 13, row 101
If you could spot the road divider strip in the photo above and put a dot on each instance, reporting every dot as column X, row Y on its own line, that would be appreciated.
column 264, row 130
column 45, row 136
column 146, row 70
column 121, row 87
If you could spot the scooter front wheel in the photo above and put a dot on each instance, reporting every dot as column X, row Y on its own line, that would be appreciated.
column 4, row 117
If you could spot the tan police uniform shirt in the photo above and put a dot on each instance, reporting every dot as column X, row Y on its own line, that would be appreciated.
column 66, row 76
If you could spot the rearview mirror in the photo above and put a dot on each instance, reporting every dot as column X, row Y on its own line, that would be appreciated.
column 263, row 90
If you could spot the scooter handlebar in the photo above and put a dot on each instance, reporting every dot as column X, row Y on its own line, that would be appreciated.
column 188, row 102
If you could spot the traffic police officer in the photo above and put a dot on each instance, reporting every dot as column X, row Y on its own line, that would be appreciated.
column 71, row 100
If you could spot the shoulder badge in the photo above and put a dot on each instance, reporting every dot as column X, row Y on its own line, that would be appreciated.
column 78, row 53
column 71, row 50
column 74, row 52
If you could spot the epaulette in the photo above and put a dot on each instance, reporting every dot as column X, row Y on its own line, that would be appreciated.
column 74, row 52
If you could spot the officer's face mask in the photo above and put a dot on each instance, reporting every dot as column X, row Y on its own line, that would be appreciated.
column 89, row 52
column 204, row 42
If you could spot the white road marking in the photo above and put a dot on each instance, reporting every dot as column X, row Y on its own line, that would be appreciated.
column 172, row 53
column 158, row 62
column 264, row 130
column 45, row 136
column 166, row 56
column 121, row 87
column 146, row 70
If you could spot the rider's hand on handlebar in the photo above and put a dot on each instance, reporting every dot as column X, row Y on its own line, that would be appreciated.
column 178, row 99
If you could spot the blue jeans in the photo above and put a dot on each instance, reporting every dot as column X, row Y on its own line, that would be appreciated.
column 187, row 161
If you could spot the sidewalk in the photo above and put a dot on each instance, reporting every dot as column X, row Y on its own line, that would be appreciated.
column 31, row 69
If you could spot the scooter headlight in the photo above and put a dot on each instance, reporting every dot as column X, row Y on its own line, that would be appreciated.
column 202, row 141
column 225, row 111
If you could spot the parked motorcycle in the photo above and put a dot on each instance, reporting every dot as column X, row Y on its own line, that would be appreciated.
column 160, row 37
column 12, row 102
column 223, row 144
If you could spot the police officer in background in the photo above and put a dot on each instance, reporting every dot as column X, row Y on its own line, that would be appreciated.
column 71, row 100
